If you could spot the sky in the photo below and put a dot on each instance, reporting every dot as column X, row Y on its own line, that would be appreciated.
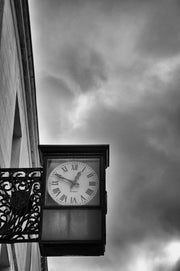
column 107, row 72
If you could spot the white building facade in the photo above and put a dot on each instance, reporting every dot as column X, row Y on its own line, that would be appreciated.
column 19, row 137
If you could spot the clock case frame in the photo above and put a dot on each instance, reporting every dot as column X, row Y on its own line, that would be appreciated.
column 76, row 247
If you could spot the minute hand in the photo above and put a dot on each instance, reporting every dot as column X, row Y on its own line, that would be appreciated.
column 63, row 178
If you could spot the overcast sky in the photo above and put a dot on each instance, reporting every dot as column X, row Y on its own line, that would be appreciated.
column 109, row 72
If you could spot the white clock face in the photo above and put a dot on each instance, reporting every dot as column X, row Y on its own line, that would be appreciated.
column 73, row 183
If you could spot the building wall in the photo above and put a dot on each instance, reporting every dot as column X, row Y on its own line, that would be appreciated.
column 12, row 91
column 18, row 115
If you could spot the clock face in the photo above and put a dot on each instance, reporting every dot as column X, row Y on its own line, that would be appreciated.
column 73, row 183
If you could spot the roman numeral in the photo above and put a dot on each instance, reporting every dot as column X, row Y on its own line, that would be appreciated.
column 73, row 200
column 74, row 166
column 83, row 199
column 92, row 183
column 54, row 182
column 89, row 192
column 83, row 169
column 90, row 174
column 63, row 198
column 56, row 191
column 64, row 169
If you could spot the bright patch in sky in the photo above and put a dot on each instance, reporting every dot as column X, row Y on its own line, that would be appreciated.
column 164, row 69
column 172, row 251
column 164, row 258
column 82, row 105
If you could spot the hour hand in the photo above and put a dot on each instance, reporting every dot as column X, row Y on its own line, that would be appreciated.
column 74, row 183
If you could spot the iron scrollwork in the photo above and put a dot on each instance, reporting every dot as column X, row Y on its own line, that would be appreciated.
column 20, row 204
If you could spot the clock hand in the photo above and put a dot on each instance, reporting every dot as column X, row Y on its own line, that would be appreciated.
column 63, row 178
column 76, row 179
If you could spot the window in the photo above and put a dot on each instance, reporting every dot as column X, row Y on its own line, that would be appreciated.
column 16, row 140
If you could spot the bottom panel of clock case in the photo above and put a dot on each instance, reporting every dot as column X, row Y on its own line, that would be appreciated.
column 71, row 224
column 78, row 249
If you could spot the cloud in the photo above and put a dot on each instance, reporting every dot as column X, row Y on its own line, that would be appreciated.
column 54, row 97
column 143, row 186
column 84, row 66
column 161, row 35
column 177, row 266
column 108, row 72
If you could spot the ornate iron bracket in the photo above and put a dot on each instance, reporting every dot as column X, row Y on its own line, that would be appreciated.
column 20, row 204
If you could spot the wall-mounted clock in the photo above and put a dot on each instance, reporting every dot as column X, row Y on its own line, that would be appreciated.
column 74, row 205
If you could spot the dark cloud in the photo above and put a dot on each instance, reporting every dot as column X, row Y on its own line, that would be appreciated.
column 176, row 267
column 161, row 35
column 84, row 66
column 55, row 87
column 164, row 267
